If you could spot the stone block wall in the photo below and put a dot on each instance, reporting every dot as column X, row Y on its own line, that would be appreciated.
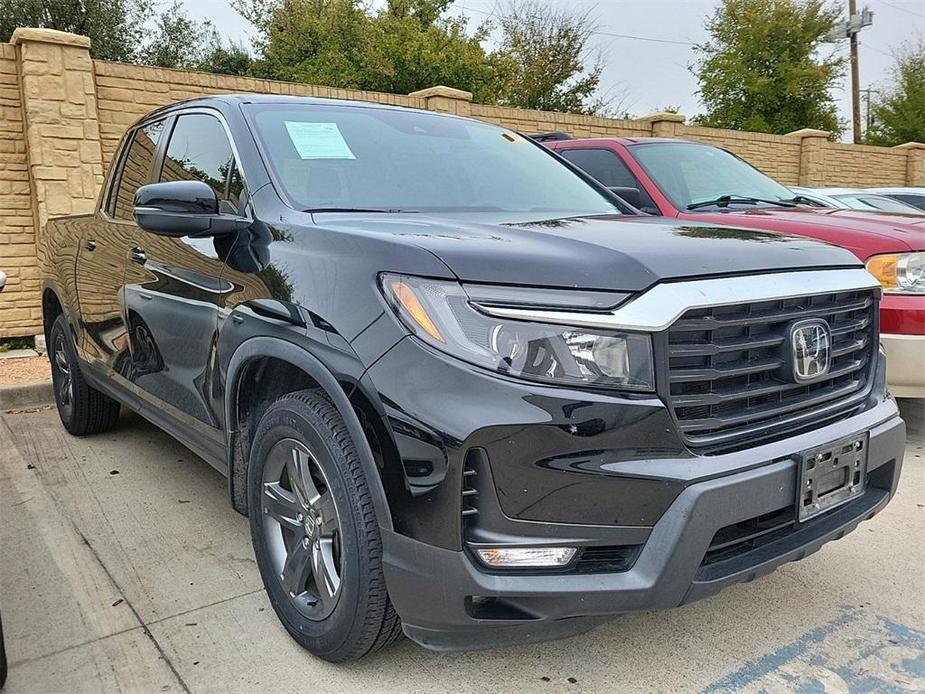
column 62, row 115
column 20, row 308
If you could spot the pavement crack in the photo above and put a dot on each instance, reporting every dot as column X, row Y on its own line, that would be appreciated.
column 128, row 603
column 72, row 647
column 204, row 607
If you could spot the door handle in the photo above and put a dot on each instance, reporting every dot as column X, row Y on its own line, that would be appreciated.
column 138, row 255
column 90, row 245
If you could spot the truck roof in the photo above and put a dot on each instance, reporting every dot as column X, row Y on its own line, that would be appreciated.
column 248, row 98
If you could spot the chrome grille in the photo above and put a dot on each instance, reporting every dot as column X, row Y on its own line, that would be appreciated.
column 728, row 376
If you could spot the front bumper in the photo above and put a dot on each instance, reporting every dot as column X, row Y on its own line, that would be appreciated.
column 905, row 364
column 447, row 603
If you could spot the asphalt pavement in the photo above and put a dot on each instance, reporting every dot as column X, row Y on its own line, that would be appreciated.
column 123, row 568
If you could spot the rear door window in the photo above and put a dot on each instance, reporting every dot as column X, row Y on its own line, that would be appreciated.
column 136, row 169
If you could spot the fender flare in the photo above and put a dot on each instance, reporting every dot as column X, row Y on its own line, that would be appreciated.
column 299, row 357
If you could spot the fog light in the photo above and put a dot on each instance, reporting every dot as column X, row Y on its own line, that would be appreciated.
column 509, row 557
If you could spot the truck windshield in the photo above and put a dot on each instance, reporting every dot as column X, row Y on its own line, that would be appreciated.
column 344, row 158
column 694, row 174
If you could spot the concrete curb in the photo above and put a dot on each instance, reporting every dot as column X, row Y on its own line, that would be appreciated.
column 26, row 395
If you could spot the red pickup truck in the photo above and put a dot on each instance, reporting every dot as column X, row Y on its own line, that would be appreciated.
column 700, row 182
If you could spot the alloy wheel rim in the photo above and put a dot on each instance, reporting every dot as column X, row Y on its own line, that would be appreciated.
column 64, row 384
column 302, row 528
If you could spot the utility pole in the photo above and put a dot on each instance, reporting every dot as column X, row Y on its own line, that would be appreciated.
column 855, row 76
column 850, row 29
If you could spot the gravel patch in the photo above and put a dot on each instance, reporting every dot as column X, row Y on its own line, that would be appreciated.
column 24, row 370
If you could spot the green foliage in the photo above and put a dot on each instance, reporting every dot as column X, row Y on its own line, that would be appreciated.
column 408, row 45
column 230, row 59
column 12, row 343
column 178, row 41
column 115, row 27
column 130, row 31
column 898, row 115
column 763, row 68
column 542, row 59
column 183, row 43
column 404, row 46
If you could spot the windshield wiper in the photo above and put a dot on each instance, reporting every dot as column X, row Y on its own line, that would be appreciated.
column 380, row 210
column 726, row 200
column 802, row 200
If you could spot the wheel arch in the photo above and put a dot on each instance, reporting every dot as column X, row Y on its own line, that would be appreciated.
column 286, row 355
column 54, row 303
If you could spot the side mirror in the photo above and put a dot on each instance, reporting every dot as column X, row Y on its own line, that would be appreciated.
column 183, row 208
column 629, row 195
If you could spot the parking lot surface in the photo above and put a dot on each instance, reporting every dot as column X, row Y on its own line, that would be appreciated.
column 123, row 568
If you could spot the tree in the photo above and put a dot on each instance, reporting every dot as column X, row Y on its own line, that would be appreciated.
column 122, row 31
column 230, row 59
column 898, row 115
column 183, row 43
column 543, row 59
column 762, row 69
column 404, row 46
column 115, row 27
column 178, row 41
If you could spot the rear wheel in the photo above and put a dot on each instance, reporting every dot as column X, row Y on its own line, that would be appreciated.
column 315, row 532
column 83, row 409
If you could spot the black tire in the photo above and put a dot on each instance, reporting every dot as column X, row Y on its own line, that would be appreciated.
column 302, row 435
column 83, row 410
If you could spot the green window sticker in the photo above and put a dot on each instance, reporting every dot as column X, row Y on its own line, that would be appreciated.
column 318, row 140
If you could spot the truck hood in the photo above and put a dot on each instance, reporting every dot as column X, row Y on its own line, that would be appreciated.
column 610, row 253
column 863, row 233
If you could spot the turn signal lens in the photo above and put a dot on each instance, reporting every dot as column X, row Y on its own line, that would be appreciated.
column 525, row 557
column 899, row 273
column 408, row 301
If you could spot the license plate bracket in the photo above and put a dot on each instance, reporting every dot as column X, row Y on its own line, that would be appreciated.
column 831, row 475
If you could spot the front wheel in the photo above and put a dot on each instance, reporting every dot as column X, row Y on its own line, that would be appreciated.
column 315, row 532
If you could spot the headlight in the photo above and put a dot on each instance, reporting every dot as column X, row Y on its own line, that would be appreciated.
column 440, row 313
column 899, row 273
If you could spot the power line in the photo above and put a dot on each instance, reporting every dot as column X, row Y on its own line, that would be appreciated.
column 876, row 50
column 643, row 38
column 600, row 33
column 903, row 9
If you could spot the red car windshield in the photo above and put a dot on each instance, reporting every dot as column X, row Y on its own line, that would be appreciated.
column 689, row 173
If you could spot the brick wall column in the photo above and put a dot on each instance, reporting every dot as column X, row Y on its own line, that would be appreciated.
column 664, row 123
column 60, row 123
column 446, row 100
column 915, row 163
column 812, row 155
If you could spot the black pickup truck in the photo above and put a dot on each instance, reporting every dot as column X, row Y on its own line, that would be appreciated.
column 461, row 389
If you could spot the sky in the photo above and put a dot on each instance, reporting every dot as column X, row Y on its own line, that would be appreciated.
column 649, row 72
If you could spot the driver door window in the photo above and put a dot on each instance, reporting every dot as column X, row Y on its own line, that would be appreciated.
column 199, row 150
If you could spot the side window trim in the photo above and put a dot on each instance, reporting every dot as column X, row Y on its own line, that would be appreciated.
column 157, row 165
